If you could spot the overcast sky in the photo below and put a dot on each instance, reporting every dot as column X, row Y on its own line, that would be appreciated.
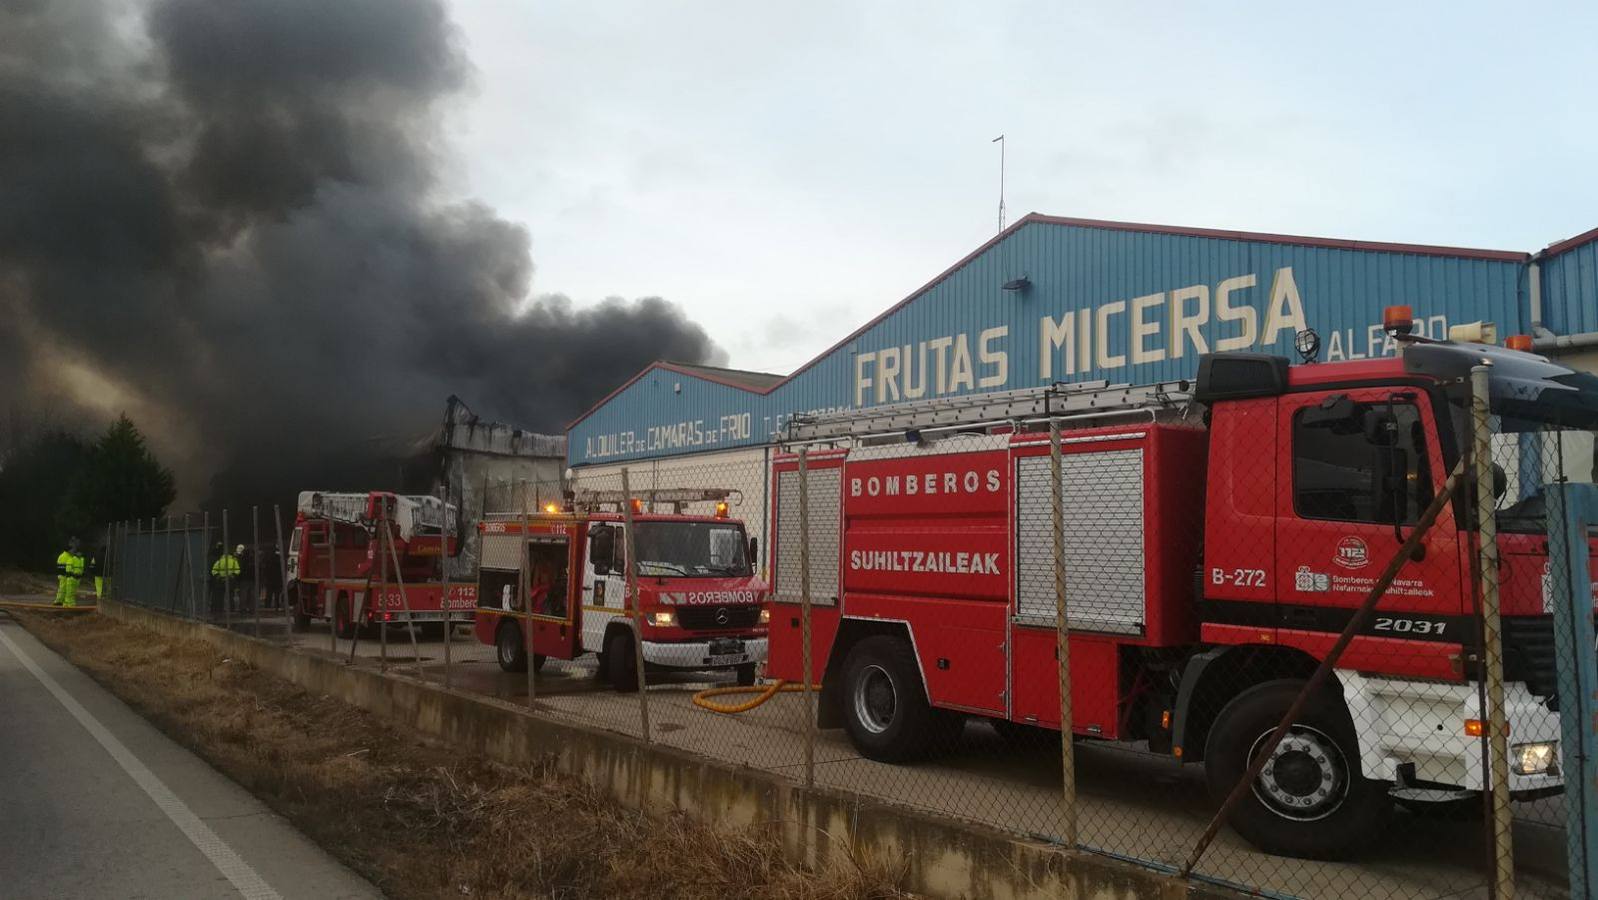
column 785, row 172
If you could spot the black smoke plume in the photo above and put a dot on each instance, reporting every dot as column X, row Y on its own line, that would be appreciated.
column 225, row 217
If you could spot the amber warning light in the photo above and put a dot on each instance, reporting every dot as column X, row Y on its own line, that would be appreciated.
column 1521, row 342
column 1398, row 320
column 721, row 510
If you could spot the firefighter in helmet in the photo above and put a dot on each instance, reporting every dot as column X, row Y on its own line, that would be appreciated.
column 69, row 568
column 223, row 573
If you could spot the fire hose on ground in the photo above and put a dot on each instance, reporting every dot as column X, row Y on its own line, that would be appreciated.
column 764, row 692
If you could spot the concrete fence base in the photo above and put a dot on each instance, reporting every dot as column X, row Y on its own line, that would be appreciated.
column 817, row 827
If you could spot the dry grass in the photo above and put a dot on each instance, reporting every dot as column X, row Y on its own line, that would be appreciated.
column 416, row 818
column 15, row 582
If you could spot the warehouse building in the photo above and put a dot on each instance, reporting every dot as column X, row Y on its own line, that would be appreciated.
column 1054, row 299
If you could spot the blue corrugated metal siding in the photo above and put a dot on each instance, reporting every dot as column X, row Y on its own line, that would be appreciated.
column 1570, row 290
column 1072, row 268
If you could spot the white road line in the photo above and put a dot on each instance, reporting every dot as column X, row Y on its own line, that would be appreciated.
column 230, row 864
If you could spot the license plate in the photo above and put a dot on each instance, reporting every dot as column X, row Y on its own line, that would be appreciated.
column 727, row 659
column 726, row 646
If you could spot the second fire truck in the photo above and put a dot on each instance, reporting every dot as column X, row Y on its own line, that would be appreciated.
column 554, row 584
column 1215, row 545
column 338, row 568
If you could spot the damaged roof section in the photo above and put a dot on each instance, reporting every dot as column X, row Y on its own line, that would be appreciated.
column 465, row 430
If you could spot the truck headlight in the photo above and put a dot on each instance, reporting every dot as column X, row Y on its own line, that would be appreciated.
column 1534, row 759
column 765, row 616
column 662, row 619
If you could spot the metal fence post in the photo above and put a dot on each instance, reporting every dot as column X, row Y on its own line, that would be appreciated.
column 1572, row 510
column 150, row 558
column 804, row 616
column 1492, row 635
column 204, row 575
column 227, row 577
column 255, row 565
column 283, row 575
column 525, row 585
column 166, row 567
column 443, row 585
column 405, row 599
column 632, row 599
column 1062, row 637
column 186, row 566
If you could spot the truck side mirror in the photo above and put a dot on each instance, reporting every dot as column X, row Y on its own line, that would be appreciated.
column 754, row 549
column 602, row 548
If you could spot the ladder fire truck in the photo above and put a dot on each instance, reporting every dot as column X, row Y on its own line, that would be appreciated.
column 1216, row 541
column 554, row 584
column 336, row 561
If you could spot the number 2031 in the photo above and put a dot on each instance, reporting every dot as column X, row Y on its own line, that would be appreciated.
column 1410, row 626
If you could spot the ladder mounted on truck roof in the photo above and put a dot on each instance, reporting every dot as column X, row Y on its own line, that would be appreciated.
column 594, row 500
column 1085, row 399
column 413, row 513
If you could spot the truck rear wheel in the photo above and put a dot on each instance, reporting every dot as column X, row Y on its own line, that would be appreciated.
column 342, row 621
column 621, row 669
column 886, row 712
column 510, row 651
column 1312, row 799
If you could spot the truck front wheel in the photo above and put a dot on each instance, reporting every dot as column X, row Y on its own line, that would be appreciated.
column 621, row 667
column 1311, row 800
column 508, row 648
column 885, row 705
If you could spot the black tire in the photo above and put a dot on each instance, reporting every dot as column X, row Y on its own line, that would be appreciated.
column 621, row 669
column 1313, row 801
column 342, row 618
column 302, row 621
column 508, row 648
column 746, row 675
column 885, row 708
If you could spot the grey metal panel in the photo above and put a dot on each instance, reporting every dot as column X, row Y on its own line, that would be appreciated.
column 502, row 551
column 826, row 486
column 1103, row 529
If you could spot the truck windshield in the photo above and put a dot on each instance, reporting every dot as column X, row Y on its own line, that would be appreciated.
column 691, row 549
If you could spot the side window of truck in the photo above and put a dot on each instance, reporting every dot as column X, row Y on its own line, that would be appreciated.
column 1360, row 462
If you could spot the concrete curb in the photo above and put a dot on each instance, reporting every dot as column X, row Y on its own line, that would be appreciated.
column 942, row 858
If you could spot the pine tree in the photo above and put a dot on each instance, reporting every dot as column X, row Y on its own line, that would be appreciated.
column 119, row 480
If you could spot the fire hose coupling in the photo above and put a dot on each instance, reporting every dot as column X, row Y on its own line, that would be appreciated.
column 1540, row 758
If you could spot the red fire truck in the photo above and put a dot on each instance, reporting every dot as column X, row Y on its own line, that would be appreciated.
column 334, row 561
column 1216, row 543
column 554, row 584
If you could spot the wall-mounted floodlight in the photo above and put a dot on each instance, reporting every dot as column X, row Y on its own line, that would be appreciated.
column 1017, row 284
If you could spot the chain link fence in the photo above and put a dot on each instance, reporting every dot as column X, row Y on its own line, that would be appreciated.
column 1307, row 645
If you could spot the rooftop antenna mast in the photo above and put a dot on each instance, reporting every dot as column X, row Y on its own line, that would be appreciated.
column 1000, row 141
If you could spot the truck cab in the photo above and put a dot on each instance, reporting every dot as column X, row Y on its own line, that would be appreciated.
column 555, row 584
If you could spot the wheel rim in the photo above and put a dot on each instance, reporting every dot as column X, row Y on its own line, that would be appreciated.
column 875, row 700
column 1307, row 776
column 507, row 652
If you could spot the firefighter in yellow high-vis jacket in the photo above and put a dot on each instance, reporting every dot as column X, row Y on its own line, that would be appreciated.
column 69, row 568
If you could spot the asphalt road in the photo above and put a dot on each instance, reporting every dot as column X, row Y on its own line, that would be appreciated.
column 95, row 802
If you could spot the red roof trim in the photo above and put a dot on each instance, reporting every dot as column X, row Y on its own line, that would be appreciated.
column 1039, row 218
column 1586, row 237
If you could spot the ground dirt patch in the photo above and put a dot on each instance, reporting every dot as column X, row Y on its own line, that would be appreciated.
column 414, row 817
column 15, row 582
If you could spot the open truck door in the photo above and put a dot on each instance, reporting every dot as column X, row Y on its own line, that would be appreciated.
column 527, row 596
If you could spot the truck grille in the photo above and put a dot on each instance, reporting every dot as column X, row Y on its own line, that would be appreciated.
column 708, row 618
